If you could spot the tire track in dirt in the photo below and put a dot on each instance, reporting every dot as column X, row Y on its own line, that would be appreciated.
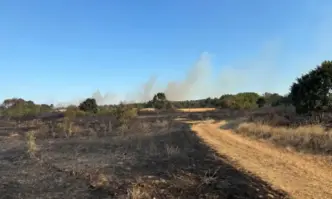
column 302, row 176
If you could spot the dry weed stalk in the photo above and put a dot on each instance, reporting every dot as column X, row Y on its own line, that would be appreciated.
column 68, row 124
column 171, row 150
column 31, row 143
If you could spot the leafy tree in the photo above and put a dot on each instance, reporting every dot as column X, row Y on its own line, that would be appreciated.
column 159, row 97
column 160, row 101
column 18, row 107
column 311, row 93
column 261, row 102
column 89, row 105
column 227, row 101
column 273, row 99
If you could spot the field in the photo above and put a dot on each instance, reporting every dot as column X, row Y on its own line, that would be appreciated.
column 188, row 154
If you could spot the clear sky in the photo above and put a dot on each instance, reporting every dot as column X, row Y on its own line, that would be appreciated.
column 62, row 50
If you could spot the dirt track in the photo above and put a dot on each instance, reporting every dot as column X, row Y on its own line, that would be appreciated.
column 302, row 176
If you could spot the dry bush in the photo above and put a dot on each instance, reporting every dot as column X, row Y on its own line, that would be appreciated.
column 282, row 116
column 141, row 191
column 172, row 150
column 31, row 143
column 98, row 180
column 124, row 114
column 310, row 138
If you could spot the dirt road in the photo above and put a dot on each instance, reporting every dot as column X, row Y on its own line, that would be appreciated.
column 302, row 176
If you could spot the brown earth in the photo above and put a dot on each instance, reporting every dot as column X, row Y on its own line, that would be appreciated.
column 302, row 176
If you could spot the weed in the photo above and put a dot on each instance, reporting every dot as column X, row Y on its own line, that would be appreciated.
column 31, row 143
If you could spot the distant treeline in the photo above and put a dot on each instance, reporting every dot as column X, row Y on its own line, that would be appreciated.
column 310, row 93
column 16, row 107
column 245, row 100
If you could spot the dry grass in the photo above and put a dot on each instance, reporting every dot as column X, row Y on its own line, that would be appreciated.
column 311, row 138
column 183, row 109
column 196, row 109
column 31, row 143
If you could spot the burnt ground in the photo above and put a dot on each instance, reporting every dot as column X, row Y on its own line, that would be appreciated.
column 149, row 158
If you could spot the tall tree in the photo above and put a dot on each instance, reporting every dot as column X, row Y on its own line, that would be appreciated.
column 312, row 91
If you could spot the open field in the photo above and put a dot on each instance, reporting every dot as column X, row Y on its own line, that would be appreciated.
column 167, row 155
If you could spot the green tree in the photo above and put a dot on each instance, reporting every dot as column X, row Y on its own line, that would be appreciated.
column 89, row 105
column 160, row 101
column 273, row 99
column 311, row 93
column 245, row 100
column 227, row 101
column 261, row 102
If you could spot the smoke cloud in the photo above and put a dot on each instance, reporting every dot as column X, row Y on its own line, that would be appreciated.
column 190, row 86
column 260, row 73
column 199, row 81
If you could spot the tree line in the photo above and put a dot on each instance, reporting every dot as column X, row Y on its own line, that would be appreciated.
column 311, row 93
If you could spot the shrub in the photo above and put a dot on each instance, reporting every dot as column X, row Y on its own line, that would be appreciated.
column 31, row 143
column 124, row 113
column 89, row 105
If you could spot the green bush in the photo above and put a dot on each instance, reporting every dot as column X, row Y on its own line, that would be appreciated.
column 124, row 113
column 17, row 107
column 89, row 105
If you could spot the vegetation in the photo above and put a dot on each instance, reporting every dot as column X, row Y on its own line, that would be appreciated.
column 89, row 105
column 311, row 93
column 124, row 113
column 159, row 102
column 310, row 138
column 155, row 141
column 261, row 102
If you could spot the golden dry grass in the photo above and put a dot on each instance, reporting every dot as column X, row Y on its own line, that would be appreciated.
column 148, row 109
column 196, row 109
column 184, row 109
column 310, row 138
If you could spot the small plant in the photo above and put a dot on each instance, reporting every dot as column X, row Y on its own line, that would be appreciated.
column 145, row 127
column 68, row 124
column 110, row 126
column 125, row 113
column 31, row 143
column 171, row 150
column 98, row 180
column 123, row 128
column 141, row 191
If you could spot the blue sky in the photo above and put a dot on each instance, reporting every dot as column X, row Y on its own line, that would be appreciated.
column 64, row 50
